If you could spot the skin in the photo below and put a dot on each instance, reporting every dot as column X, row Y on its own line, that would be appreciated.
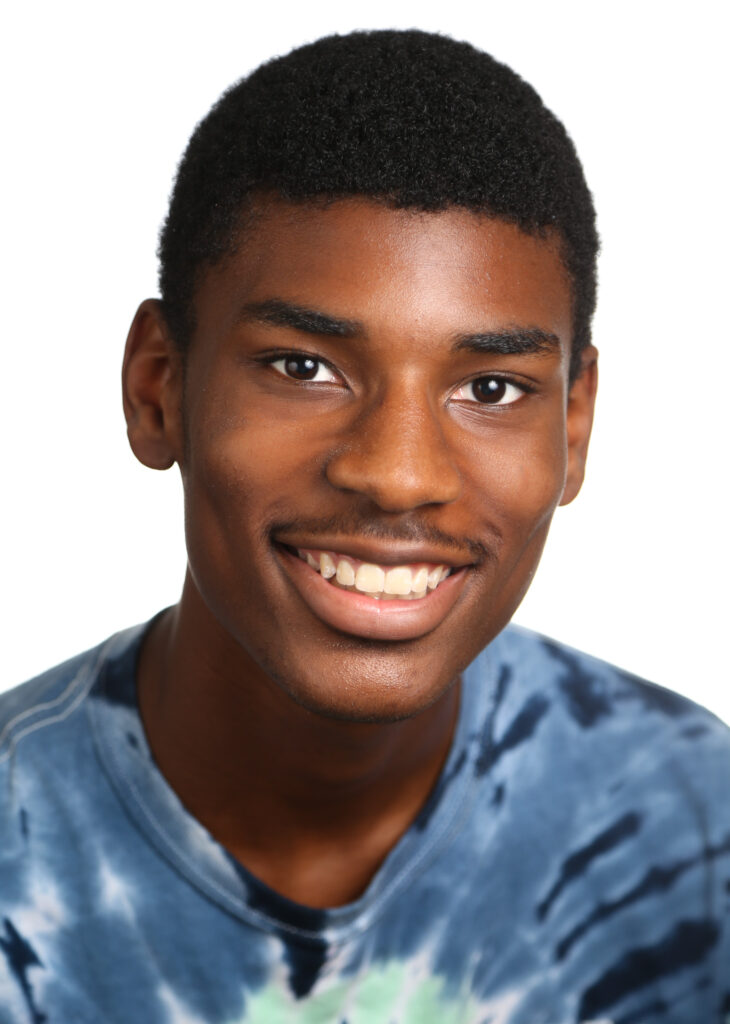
column 307, row 748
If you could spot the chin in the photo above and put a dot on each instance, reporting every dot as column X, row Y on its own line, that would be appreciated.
column 372, row 694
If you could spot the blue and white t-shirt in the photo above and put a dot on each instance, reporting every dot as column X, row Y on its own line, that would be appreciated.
column 571, row 865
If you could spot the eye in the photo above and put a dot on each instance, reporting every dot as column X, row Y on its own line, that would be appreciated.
column 300, row 367
column 489, row 391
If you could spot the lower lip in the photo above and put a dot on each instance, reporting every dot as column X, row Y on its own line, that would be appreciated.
column 359, row 615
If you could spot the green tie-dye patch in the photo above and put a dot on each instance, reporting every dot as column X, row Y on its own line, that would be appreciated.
column 390, row 995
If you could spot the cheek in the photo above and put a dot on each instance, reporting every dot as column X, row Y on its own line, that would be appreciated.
column 538, row 479
column 246, row 473
column 520, row 480
column 517, row 488
column 232, row 487
column 242, row 466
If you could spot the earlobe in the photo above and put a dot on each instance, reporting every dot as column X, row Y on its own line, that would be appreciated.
column 152, row 389
column 579, row 421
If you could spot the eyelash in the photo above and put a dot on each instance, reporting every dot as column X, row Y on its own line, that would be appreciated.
column 305, row 357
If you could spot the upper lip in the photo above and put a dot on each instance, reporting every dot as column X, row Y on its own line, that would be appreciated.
column 378, row 552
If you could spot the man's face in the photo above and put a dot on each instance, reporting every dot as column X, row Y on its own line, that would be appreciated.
column 380, row 388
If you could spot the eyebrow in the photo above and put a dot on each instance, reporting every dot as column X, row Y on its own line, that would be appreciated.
column 310, row 321
column 507, row 341
column 510, row 341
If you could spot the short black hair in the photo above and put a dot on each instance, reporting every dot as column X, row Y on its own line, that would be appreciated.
column 413, row 119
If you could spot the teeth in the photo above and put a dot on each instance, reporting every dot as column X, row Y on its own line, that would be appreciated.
column 369, row 579
column 345, row 573
column 420, row 580
column 398, row 581
column 326, row 565
column 383, row 584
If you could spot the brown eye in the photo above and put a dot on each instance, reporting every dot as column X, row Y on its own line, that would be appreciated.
column 489, row 391
column 301, row 367
column 304, row 368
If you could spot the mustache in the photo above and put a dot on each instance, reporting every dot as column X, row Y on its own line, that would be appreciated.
column 404, row 531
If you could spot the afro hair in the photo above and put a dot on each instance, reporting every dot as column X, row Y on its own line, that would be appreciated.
column 410, row 118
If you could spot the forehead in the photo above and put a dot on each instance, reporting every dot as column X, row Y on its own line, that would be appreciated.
column 393, row 270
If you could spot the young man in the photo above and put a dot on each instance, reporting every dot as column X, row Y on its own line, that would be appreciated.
column 330, row 785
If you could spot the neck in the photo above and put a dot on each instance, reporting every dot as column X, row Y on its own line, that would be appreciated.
column 309, row 804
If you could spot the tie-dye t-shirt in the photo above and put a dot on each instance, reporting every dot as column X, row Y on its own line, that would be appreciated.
column 571, row 865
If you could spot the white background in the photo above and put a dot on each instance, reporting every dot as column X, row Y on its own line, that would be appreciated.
column 99, row 101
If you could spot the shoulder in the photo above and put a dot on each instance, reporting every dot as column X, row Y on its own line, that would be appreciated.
column 47, row 700
column 611, row 796
column 593, row 724
column 51, row 782
column 41, row 717
column 591, row 690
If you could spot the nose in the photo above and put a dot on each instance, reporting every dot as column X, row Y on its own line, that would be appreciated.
column 396, row 454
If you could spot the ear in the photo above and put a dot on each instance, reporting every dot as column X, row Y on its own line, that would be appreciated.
column 578, row 423
column 152, row 389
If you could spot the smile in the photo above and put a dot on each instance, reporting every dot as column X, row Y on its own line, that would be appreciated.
column 372, row 599
column 381, row 582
